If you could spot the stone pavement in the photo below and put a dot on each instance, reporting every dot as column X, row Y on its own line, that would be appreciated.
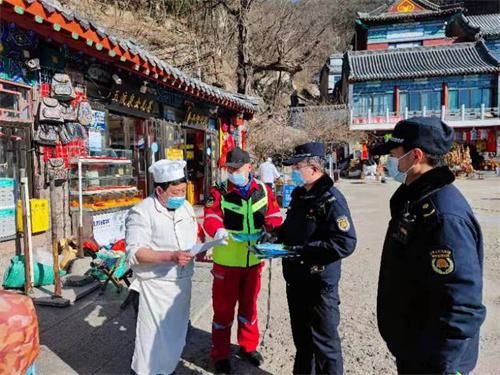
column 94, row 336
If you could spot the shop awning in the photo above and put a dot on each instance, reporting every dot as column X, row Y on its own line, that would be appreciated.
column 50, row 19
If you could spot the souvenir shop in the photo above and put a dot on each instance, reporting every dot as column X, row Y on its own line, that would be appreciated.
column 480, row 147
column 99, row 111
column 186, row 134
column 485, row 140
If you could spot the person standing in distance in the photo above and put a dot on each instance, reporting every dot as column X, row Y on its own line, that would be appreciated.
column 240, row 213
column 319, row 227
column 268, row 172
column 159, row 233
column 429, row 304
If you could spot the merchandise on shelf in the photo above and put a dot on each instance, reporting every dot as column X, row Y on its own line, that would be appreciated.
column 107, row 182
column 108, row 201
column 459, row 160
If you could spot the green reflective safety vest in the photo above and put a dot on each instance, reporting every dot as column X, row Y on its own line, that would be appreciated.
column 244, row 220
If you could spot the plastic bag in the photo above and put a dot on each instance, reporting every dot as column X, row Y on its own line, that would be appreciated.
column 14, row 277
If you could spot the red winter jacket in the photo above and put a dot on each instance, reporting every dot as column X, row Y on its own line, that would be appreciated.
column 214, row 217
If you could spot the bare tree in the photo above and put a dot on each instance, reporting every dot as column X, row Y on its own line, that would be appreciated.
column 269, row 135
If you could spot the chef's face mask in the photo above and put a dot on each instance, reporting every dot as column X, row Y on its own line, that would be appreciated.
column 172, row 195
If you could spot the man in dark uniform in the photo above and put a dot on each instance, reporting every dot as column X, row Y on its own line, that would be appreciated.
column 319, row 227
column 429, row 292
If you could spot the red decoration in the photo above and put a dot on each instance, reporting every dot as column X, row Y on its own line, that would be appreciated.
column 45, row 90
column 119, row 246
column 74, row 149
column 228, row 145
column 491, row 144
column 364, row 152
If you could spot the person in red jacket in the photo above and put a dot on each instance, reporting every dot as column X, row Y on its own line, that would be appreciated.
column 239, row 214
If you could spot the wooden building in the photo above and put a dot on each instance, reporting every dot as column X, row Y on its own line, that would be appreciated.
column 417, row 58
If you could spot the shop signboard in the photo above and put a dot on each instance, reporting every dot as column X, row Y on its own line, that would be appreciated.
column 95, row 140
column 174, row 154
column 170, row 98
column 97, row 130
column 98, row 120
column 109, row 227
column 135, row 100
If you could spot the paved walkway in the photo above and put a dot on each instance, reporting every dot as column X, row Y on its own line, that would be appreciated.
column 95, row 336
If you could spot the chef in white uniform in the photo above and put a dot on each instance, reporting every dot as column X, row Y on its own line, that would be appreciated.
column 160, row 231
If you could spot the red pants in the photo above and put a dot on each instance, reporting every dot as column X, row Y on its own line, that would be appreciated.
column 231, row 285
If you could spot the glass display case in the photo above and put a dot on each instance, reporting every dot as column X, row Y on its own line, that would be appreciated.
column 103, row 182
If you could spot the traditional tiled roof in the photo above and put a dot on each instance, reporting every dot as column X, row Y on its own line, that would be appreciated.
column 421, row 62
column 426, row 9
column 487, row 25
column 81, row 32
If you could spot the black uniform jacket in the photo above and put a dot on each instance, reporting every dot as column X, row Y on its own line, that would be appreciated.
column 430, row 286
column 319, row 222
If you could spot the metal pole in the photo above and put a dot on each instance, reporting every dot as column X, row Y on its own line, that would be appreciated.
column 28, row 246
column 55, row 246
column 482, row 111
column 80, row 212
column 443, row 112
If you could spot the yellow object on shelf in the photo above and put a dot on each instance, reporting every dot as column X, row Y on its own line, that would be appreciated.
column 190, row 193
column 40, row 214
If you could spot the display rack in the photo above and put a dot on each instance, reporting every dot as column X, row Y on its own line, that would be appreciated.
column 102, row 183
column 101, row 186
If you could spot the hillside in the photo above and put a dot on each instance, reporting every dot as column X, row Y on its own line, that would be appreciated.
column 286, row 42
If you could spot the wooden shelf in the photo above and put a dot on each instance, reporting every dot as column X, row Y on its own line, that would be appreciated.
column 105, row 191
column 101, row 161
column 91, row 210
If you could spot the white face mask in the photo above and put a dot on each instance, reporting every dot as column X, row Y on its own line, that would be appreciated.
column 393, row 168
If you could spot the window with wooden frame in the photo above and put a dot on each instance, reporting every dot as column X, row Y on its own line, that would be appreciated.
column 15, row 104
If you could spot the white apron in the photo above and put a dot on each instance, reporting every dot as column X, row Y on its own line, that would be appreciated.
column 164, row 289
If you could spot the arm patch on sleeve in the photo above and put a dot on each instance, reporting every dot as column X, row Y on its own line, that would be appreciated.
column 442, row 261
column 343, row 223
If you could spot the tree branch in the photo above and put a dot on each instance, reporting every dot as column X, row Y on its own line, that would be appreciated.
column 278, row 66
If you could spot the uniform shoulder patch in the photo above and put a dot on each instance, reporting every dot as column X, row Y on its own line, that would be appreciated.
column 343, row 223
column 442, row 261
column 427, row 209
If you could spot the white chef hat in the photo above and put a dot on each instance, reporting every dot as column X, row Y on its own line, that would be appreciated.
column 167, row 170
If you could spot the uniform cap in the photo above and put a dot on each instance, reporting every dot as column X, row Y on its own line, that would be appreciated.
column 430, row 134
column 306, row 150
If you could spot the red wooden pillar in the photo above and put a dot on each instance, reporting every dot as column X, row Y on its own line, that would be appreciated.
column 444, row 95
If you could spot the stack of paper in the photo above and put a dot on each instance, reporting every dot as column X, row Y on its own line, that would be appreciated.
column 271, row 251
